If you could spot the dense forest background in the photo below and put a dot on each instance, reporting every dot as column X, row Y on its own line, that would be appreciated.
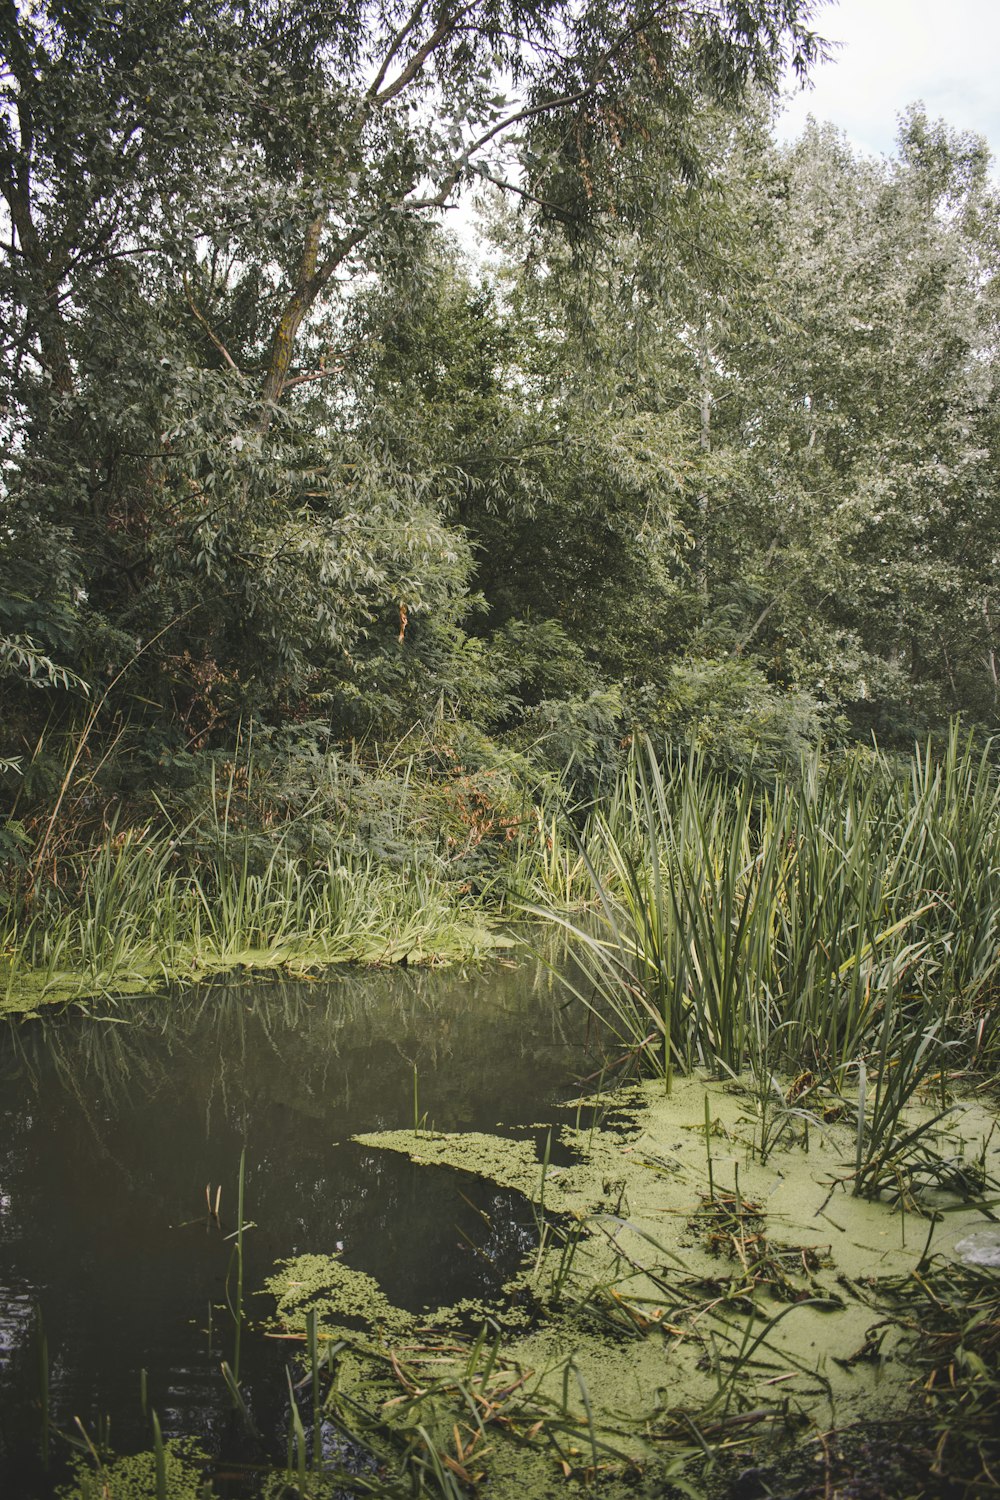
column 485, row 371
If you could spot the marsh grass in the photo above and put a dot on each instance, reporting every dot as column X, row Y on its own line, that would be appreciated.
column 135, row 919
column 849, row 916
column 308, row 857
column 137, row 910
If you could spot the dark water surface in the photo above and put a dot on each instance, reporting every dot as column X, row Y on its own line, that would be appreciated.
column 111, row 1127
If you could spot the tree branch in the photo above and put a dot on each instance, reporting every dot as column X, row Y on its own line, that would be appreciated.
column 520, row 192
column 205, row 324
column 408, row 25
column 529, row 112
column 310, row 281
column 445, row 27
column 313, row 375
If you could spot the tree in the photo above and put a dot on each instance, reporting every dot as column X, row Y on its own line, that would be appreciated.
column 195, row 195
column 876, row 410
column 811, row 336
column 627, row 341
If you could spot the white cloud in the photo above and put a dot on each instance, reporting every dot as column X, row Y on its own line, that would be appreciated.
column 895, row 52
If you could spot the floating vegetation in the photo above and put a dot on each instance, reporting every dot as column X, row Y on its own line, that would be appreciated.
column 953, row 1320
column 660, row 1326
column 687, row 1312
column 173, row 1470
column 735, row 1228
column 341, row 1297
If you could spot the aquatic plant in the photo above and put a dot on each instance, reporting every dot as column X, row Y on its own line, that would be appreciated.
column 801, row 925
column 171, row 1469
column 736, row 1332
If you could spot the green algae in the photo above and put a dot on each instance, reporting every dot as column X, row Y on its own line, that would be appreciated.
column 649, row 1322
column 510, row 1163
column 341, row 1298
column 651, row 1358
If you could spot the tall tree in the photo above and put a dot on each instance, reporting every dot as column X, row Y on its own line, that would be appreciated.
column 876, row 409
column 195, row 191
column 812, row 337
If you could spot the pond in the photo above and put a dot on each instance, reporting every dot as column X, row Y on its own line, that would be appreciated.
column 119, row 1128
column 711, row 1287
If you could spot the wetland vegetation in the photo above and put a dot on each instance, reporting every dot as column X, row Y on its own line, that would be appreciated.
column 554, row 647
column 760, row 1240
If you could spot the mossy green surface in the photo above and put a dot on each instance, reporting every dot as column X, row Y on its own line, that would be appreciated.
column 666, row 1314
column 674, row 1318
column 134, row 1476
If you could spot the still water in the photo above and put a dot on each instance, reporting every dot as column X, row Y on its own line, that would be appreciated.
column 113, row 1125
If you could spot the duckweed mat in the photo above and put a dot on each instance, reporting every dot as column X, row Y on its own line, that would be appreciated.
column 692, row 1318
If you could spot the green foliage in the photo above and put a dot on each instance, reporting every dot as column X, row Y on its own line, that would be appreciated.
column 805, row 926
column 798, row 353
column 702, row 444
column 730, row 710
column 280, row 852
column 578, row 736
column 250, row 400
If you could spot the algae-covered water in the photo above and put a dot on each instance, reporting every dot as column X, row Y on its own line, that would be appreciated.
column 112, row 1125
column 408, row 1137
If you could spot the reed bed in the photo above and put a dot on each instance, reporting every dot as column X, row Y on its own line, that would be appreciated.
column 841, row 926
column 263, row 860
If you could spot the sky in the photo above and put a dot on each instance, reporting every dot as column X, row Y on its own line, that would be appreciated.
column 895, row 52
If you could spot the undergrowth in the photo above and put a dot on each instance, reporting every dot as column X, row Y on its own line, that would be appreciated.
column 293, row 854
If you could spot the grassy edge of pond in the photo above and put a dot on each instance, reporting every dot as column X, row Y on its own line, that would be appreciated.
column 263, row 862
column 137, row 917
column 837, row 939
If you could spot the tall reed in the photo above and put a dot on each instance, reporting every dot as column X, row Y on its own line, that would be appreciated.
column 798, row 925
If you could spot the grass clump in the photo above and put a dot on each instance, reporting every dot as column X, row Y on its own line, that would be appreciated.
column 269, row 856
column 844, row 925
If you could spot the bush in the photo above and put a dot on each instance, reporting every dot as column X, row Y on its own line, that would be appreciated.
column 730, row 709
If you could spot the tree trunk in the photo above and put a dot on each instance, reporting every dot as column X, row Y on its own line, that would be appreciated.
column 705, row 443
column 44, row 279
column 304, row 293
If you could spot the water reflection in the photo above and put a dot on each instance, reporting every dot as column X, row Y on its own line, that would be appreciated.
column 112, row 1125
